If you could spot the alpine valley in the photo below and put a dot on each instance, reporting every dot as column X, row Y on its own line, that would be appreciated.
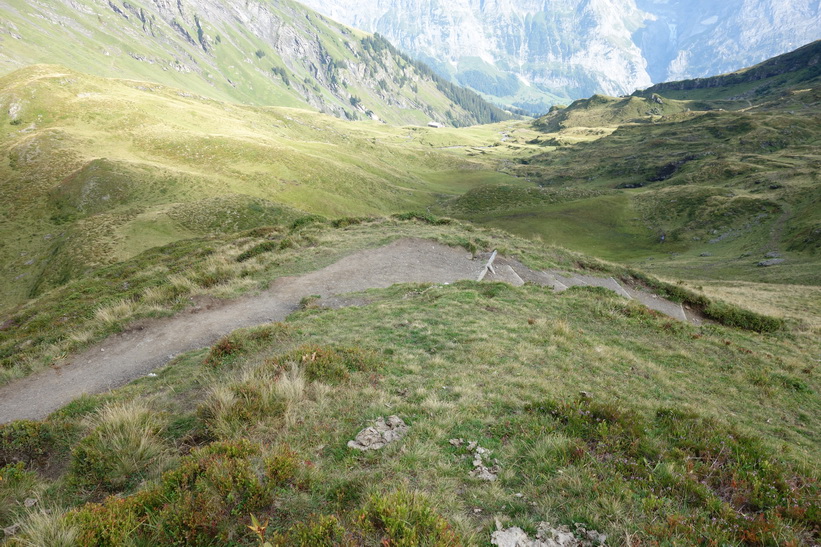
column 266, row 279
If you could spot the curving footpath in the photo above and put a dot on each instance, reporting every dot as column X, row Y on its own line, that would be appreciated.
column 137, row 351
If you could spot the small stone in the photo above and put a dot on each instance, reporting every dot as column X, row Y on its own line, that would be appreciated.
column 770, row 262
column 12, row 530
column 30, row 502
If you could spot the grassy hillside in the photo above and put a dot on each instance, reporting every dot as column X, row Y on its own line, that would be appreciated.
column 594, row 412
column 703, row 187
column 260, row 53
column 796, row 69
column 97, row 170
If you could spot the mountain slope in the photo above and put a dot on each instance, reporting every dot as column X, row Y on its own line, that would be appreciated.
column 95, row 170
column 796, row 69
column 537, row 53
column 259, row 52
column 722, row 182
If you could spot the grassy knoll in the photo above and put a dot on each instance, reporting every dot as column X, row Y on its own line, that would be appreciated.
column 681, row 434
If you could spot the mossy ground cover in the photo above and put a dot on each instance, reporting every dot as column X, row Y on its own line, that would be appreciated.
column 683, row 434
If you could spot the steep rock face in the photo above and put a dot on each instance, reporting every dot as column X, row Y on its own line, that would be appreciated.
column 533, row 53
column 696, row 38
column 261, row 52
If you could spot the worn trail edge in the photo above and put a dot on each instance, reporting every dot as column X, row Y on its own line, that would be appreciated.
column 132, row 354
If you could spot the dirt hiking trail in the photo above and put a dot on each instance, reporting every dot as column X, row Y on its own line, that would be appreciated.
column 150, row 344
column 138, row 350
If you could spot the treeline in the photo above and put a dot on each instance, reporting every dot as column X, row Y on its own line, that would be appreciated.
column 482, row 111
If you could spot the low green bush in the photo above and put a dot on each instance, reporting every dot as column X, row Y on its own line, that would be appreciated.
column 25, row 441
column 242, row 341
column 207, row 500
column 733, row 316
column 712, row 480
column 404, row 518
column 256, row 250
column 427, row 218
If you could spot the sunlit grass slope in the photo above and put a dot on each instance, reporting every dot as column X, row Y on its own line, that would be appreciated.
column 262, row 53
column 96, row 170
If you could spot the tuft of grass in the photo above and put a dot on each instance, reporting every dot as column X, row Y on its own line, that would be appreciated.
column 116, row 313
column 44, row 526
column 123, row 448
column 332, row 364
column 230, row 411
column 16, row 483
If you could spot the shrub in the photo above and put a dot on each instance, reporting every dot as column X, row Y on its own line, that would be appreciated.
column 264, row 247
column 733, row 316
column 301, row 222
column 725, row 485
column 244, row 340
column 322, row 531
column 427, row 218
column 348, row 221
column 405, row 519
column 24, row 441
column 224, row 348
column 212, row 276
column 117, row 520
column 202, row 502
